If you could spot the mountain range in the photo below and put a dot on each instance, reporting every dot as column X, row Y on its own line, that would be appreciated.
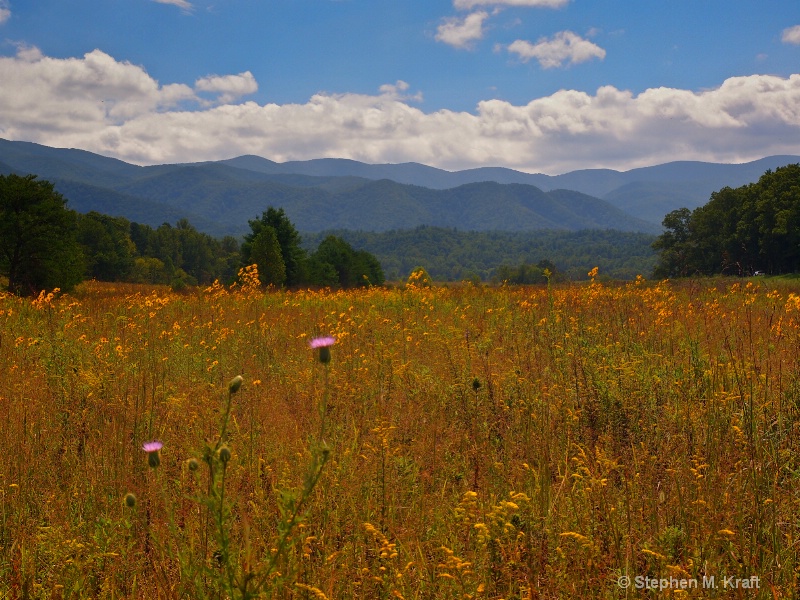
column 220, row 197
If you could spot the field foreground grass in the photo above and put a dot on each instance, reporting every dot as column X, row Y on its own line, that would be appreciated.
column 463, row 442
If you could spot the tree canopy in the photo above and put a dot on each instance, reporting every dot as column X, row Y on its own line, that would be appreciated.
column 353, row 268
column 739, row 231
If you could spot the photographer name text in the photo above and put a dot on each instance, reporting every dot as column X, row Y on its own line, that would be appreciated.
column 643, row 582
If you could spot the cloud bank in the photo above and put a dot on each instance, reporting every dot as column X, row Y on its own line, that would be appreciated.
column 117, row 109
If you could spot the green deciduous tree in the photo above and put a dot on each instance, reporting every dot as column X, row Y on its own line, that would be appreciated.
column 353, row 268
column 149, row 270
column 38, row 248
column 107, row 245
column 321, row 273
column 778, row 220
column 739, row 231
column 674, row 244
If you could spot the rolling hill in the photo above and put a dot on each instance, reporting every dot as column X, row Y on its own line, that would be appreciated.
column 219, row 197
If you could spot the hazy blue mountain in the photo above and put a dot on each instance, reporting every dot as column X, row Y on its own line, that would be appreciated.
column 595, row 182
column 648, row 193
column 652, row 192
column 85, row 198
column 215, row 194
column 410, row 173
column 27, row 157
column 211, row 192
column 652, row 200
column 219, row 169
column 220, row 197
column 329, row 183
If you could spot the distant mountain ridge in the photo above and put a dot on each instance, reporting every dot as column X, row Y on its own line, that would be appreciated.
column 219, row 197
column 691, row 182
column 594, row 182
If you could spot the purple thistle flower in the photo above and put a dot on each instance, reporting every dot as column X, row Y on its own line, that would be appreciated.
column 322, row 342
column 153, row 446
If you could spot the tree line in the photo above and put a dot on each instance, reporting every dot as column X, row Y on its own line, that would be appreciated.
column 44, row 245
column 742, row 231
column 450, row 254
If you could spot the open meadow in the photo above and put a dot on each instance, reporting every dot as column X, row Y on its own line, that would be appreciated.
column 462, row 442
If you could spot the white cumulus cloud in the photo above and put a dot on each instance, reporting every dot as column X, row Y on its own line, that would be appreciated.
column 230, row 87
column 461, row 32
column 397, row 91
column 117, row 109
column 791, row 35
column 470, row 4
column 563, row 47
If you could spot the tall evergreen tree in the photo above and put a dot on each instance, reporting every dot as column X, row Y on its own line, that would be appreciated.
column 38, row 249
column 294, row 256
column 265, row 252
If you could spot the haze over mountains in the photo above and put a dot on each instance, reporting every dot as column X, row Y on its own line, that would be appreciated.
column 219, row 197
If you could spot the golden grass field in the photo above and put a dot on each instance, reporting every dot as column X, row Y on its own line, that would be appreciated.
column 532, row 442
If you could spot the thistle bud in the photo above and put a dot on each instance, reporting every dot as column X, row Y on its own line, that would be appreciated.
column 130, row 500
column 325, row 355
column 192, row 464
column 225, row 455
column 235, row 384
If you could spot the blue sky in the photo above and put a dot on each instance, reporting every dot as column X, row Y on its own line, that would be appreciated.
column 537, row 85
